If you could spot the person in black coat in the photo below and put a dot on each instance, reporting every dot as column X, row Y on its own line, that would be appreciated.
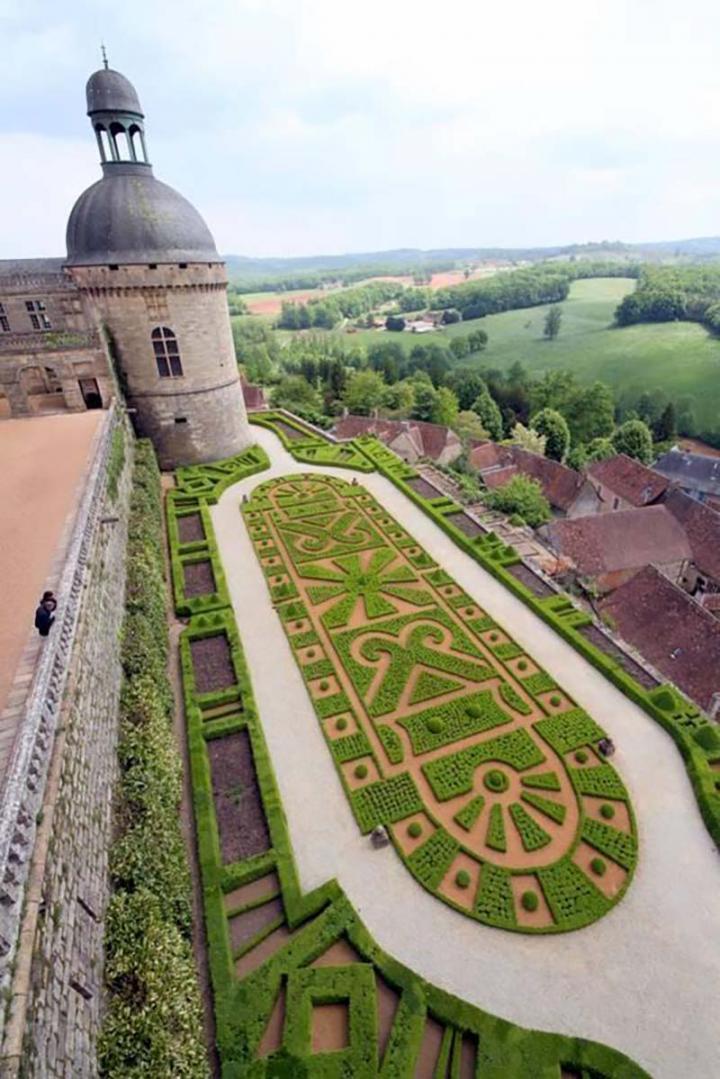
column 44, row 615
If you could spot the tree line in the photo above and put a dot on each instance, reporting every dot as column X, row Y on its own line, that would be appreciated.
column 670, row 293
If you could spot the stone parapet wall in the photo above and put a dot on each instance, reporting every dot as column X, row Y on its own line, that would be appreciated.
column 62, row 782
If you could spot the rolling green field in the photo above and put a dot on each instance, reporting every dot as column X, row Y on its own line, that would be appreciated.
column 680, row 358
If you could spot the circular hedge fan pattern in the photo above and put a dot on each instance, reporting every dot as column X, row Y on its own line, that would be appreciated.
column 445, row 731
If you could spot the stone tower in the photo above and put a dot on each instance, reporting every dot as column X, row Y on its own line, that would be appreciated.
column 148, row 267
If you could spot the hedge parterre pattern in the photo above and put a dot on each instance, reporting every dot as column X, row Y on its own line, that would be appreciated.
column 300, row 988
column 441, row 727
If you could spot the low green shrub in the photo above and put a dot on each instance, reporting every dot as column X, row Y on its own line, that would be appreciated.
column 341, row 724
column 360, row 771
column 598, row 867
column 414, row 829
column 496, row 781
column 529, row 901
column 607, row 811
column 462, row 878
column 581, row 756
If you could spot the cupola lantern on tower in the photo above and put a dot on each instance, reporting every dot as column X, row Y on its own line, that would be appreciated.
column 117, row 118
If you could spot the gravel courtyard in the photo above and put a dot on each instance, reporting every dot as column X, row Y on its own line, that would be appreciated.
column 643, row 978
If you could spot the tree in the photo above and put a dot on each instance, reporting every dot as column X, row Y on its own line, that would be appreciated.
column 665, row 429
column 634, row 439
column 425, row 399
column 528, row 439
column 468, row 426
column 395, row 323
column 467, row 384
column 477, row 340
column 553, row 318
column 553, row 426
column 365, row 392
column 489, row 413
column 295, row 393
column 451, row 314
column 523, row 496
column 400, row 398
column 590, row 413
column 446, row 407
column 577, row 458
column 600, row 449
column 459, row 347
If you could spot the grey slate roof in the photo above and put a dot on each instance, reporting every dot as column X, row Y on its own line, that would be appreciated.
column 109, row 91
column 11, row 267
column 694, row 471
column 130, row 217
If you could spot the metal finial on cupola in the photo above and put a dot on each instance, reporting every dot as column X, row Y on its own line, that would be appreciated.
column 103, row 51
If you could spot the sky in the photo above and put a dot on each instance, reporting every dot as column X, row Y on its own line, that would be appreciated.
column 301, row 127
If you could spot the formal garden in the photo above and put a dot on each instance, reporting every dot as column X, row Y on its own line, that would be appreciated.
column 487, row 777
column 442, row 728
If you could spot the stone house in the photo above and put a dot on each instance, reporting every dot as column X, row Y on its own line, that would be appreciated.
column 697, row 474
column 622, row 483
column 568, row 492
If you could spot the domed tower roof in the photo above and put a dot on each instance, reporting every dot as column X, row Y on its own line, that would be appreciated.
column 128, row 216
column 109, row 91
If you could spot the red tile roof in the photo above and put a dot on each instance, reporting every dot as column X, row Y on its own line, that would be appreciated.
column 670, row 630
column 560, row 484
column 629, row 539
column 702, row 527
column 498, row 477
column 431, row 439
column 629, row 479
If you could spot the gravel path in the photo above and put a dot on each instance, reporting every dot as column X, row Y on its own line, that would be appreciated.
column 643, row 978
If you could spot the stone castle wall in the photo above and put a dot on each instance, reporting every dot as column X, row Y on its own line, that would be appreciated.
column 65, row 1001
column 199, row 416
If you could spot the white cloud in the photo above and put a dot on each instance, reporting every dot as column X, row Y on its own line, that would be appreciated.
column 301, row 125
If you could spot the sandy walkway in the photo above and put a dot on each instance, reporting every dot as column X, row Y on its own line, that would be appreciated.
column 643, row 978
column 42, row 460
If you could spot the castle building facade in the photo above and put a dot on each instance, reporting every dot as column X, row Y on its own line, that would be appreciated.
column 142, row 289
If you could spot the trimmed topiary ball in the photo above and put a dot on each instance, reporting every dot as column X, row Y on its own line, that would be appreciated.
column 414, row 829
column 555, row 701
column 529, row 901
column 581, row 756
column 298, row 625
column 493, row 637
column 598, row 867
column 462, row 878
column 341, row 724
column 435, row 724
column 607, row 811
column 473, row 711
column 324, row 686
column 522, row 665
column 361, row 771
column 311, row 653
column 496, row 781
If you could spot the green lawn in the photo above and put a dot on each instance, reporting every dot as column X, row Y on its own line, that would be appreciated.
column 680, row 358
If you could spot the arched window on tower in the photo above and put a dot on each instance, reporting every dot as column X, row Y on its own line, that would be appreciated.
column 167, row 354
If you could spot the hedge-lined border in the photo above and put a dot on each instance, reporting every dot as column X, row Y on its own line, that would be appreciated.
column 693, row 733
column 153, row 1021
column 313, row 449
column 243, row 1007
column 197, row 488
column 393, row 800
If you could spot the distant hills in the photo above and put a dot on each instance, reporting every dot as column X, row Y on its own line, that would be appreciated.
column 409, row 259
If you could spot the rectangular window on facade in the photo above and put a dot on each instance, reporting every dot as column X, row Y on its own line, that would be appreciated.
column 38, row 319
column 4, row 323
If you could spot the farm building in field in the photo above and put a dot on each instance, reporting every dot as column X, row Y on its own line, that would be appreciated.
column 622, row 483
column 695, row 473
column 409, row 439
column 671, row 630
column 609, row 548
